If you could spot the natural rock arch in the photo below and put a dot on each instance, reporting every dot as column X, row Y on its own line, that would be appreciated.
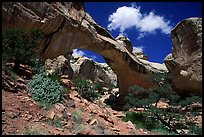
column 67, row 28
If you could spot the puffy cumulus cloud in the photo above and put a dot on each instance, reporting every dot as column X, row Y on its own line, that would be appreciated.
column 138, row 49
column 151, row 22
column 131, row 17
column 124, row 18
column 77, row 52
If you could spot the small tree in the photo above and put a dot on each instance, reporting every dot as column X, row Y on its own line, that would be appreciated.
column 18, row 45
column 86, row 89
column 170, row 117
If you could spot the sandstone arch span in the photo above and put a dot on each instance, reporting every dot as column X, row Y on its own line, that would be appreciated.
column 67, row 26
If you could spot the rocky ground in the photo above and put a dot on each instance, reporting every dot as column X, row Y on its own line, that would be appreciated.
column 22, row 115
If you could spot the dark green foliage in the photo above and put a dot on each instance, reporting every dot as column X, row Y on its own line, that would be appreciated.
column 77, row 116
column 10, row 72
column 37, row 66
column 44, row 89
column 98, row 86
column 56, row 122
column 57, row 78
column 110, row 87
column 190, row 100
column 142, row 120
column 18, row 45
column 195, row 130
column 169, row 118
column 86, row 89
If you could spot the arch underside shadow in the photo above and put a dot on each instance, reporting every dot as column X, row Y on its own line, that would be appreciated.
column 72, row 29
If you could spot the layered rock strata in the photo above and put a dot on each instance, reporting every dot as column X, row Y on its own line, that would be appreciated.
column 67, row 26
column 185, row 61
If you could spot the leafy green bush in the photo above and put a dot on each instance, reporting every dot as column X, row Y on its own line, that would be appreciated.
column 85, row 89
column 37, row 66
column 18, row 45
column 44, row 89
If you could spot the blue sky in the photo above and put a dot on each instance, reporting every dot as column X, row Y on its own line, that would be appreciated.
column 146, row 24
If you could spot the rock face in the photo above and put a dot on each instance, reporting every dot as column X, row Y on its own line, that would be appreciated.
column 67, row 26
column 140, row 55
column 125, row 41
column 59, row 65
column 185, row 61
column 96, row 72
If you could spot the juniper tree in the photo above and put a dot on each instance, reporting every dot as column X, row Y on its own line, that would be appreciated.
column 18, row 45
column 148, row 99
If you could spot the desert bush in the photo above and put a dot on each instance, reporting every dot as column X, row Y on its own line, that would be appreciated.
column 55, row 122
column 77, row 116
column 18, row 45
column 85, row 89
column 44, row 89
column 98, row 86
column 34, row 131
column 37, row 66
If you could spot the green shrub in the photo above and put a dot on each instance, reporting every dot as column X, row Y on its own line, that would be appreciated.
column 34, row 131
column 44, row 89
column 141, row 120
column 98, row 86
column 37, row 66
column 57, row 78
column 76, row 116
column 171, row 117
column 195, row 130
column 86, row 89
column 18, row 45
column 110, row 87
column 56, row 122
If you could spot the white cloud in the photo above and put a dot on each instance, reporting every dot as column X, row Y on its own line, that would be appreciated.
column 124, row 18
column 141, row 35
column 77, row 52
column 131, row 17
column 151, row 22
column 138, row 49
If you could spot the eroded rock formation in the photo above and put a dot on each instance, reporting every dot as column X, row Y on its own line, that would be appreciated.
column 96, row 72
column 67, row 26
column 185, row 61
column 140, row 55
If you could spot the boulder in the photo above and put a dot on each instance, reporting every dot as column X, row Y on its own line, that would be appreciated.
column 125, row 41
column 96, row 72
column 185, row 61
column 140, row 55
column 59, row 65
